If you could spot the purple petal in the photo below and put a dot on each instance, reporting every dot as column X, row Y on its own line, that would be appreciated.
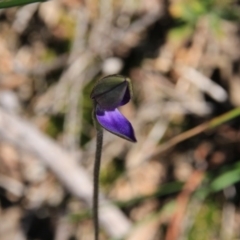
column 116, row 123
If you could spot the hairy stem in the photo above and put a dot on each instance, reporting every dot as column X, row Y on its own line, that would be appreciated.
column 96, row 181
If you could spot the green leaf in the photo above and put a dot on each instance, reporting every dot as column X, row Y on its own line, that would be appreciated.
column 228, row 176
column 226, row 179
column 15, row 3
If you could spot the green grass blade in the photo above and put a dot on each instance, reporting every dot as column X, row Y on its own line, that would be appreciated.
column 224, row 118
column 16, row 3
column 226, row 178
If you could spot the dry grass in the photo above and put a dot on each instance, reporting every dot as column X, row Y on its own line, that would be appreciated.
column 185, row 74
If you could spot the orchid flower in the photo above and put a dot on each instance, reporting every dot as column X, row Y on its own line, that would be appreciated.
column 108, row 94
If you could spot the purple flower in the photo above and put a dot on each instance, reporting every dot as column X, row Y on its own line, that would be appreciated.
column 109, row 93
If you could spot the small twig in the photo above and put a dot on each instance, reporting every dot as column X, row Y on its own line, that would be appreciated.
column 42, row 69
column 196, row 130
column 97, row 165
column 191, row 185
column 72, row 121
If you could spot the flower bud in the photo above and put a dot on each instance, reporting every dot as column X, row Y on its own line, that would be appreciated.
column 109, row 93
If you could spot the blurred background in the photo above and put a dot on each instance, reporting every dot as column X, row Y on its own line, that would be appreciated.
column 181, row 180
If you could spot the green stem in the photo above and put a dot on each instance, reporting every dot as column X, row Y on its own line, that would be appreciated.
column 196, row 130
column 224, row 118
column 96, row 171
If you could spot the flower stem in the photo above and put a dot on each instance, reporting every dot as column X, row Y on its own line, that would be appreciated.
column 96, row 171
